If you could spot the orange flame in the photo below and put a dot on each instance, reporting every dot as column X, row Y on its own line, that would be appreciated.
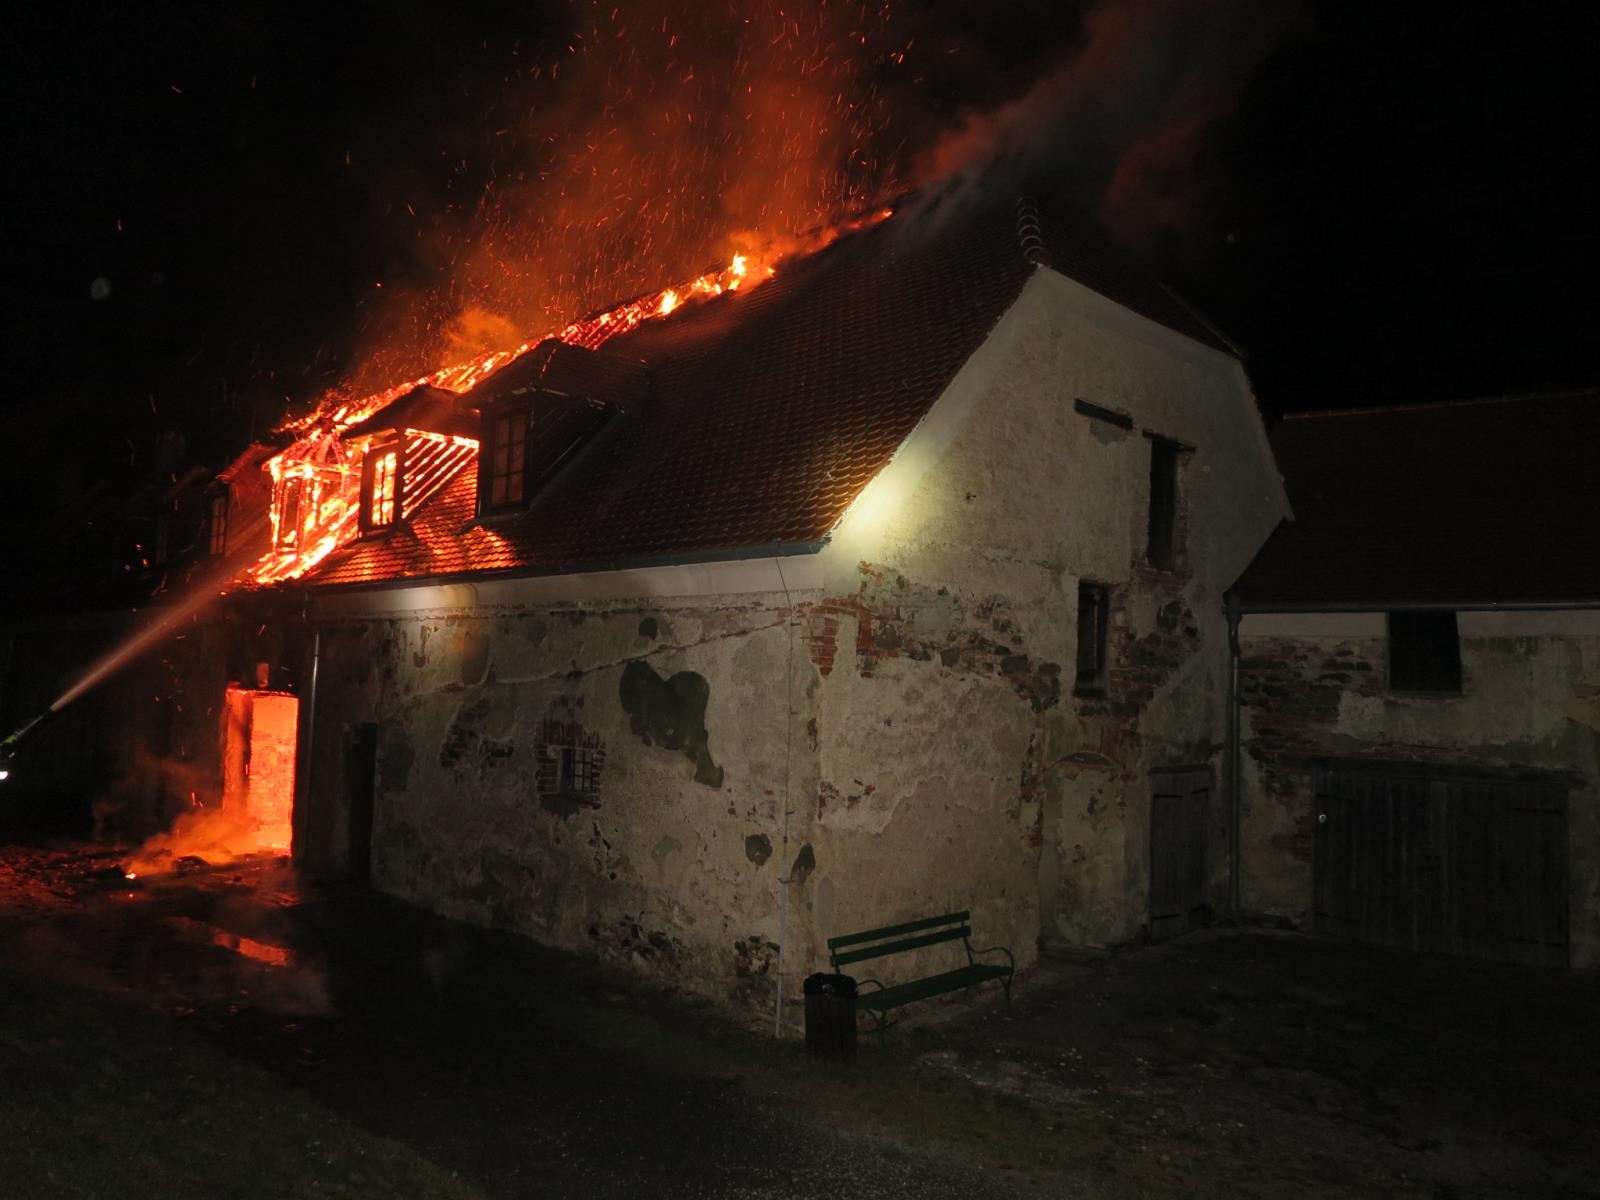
column 316, row 482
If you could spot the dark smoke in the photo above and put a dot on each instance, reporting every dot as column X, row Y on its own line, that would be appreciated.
column 651, row 138
column 1120, row 122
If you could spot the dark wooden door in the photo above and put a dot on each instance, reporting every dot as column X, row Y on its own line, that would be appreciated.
column 1179, row 805
column 1457, row 864
column 360, row 784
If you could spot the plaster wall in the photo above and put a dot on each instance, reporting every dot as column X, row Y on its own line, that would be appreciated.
column 882, row 731
column 945, row 647
column 668, row 864
column 1315, row 686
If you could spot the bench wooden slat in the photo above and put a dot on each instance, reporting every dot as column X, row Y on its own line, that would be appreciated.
column 870, row 935
column 934, row 985
column 928, row 939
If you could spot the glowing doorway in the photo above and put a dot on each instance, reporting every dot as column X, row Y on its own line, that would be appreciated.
column 258, row 766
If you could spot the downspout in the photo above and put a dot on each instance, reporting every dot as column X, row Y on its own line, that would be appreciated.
column 783, row 850
column 303, row 777
column 1235, row 787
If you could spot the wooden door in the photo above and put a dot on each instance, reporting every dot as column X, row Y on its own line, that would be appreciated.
column 1180, row 803
column 1454, row 863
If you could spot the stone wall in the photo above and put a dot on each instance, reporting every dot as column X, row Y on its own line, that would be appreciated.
column 1315, row 687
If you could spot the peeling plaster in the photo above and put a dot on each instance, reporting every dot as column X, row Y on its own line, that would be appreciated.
column 671, row 713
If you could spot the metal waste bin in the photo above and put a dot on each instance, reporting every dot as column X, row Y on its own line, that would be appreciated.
column 831, row 1017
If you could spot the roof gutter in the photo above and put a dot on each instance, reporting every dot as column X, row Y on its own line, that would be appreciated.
column 636, row 563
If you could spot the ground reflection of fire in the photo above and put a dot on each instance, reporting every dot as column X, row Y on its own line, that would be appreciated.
column 262, row 952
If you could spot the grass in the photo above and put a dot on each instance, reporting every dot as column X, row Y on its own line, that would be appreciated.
column 101, row 1099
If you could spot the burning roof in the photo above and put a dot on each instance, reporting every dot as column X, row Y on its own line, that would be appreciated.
column 752, row 421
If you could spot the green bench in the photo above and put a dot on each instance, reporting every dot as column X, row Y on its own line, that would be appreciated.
column 913, row 935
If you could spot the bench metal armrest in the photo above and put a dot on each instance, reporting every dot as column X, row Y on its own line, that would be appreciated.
column 1010, row 962
column 861, row 983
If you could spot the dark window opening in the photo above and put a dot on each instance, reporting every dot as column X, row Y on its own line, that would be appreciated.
column 217, row 525
column 1161, row 543
column 1094, row 609
column 576, row 772
column 1424, row 652
column 380, row 487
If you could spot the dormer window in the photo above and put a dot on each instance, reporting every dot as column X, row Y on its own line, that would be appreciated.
column 380, row 487
column 526, row 443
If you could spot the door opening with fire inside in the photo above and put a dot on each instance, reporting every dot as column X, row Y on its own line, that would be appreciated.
column 258, row 764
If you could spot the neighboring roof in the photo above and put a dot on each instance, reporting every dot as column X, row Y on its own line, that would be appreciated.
column 1484, row 502
column 768, row 410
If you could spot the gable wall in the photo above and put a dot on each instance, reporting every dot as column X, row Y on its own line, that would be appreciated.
column 956, row 769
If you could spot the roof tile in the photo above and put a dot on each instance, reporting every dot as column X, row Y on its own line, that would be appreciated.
column 767, row 411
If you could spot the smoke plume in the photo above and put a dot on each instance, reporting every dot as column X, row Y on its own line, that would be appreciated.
column 1119, row 122
column 657, row 138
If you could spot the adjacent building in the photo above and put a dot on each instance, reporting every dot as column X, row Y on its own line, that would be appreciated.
column 1420, row 681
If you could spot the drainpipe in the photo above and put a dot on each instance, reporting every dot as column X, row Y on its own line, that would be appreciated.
column 303, row 776
column 1231, row 606
column 783, row 849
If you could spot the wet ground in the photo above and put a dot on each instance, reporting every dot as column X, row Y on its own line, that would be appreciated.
column 352, row 1046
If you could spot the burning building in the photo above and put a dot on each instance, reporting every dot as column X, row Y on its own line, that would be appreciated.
column 716, row 623
column 739, row 616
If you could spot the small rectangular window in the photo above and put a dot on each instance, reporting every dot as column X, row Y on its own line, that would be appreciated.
column 575, row 770
column 289, row 513
column 1094, row 607
column 217, row 526
column 380, row 487
column 1160, row 545
column 1424, row 652
column 505, row 458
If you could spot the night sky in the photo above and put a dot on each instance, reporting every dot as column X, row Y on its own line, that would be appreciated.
column 213, row 210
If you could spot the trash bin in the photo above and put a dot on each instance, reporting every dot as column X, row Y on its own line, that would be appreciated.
column 831, row 1017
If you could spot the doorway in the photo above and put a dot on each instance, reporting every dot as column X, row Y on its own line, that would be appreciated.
column 1180, row 800
column 258, row 765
